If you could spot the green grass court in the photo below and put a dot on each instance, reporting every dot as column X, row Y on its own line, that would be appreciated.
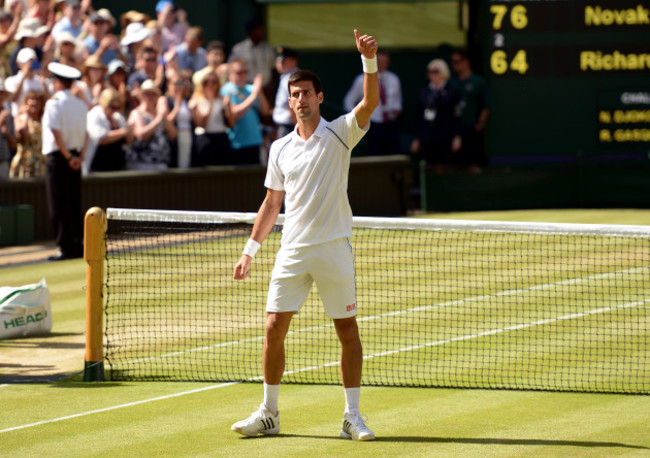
column 72, row 418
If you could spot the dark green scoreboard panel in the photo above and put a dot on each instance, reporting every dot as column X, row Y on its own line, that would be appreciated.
column 570, row 80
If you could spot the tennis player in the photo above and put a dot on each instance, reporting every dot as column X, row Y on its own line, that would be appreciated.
column 309, row 169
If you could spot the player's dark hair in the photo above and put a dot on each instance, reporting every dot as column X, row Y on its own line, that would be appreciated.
column 305, row 75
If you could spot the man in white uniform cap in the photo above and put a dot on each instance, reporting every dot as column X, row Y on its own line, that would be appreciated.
column 308, row 169
column 64, row 144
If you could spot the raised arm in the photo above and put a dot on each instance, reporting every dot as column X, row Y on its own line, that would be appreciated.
column 264, row 222
column 367, row 46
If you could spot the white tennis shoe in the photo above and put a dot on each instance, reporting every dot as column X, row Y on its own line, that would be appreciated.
column 355, row 428
column 262, row 421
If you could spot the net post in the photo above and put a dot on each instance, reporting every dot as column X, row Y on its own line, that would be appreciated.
column 94, row 253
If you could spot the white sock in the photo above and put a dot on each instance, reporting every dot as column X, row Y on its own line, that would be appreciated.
column 271, row 395
column 352, row 400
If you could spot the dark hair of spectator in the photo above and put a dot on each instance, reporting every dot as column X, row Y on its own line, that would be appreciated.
column 254, row 23
column 216, row 44
column 305, row 75
column 462, row 52
column 147, row 50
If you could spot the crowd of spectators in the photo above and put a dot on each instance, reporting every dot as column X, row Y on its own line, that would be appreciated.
column 158, row 96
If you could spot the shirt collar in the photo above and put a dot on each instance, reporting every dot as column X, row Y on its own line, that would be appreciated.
column 319, row 132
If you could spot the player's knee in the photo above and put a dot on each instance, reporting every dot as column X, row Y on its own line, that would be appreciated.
column 276, row 328
column 348, row 331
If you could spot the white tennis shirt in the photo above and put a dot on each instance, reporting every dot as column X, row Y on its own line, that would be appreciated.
column 313, row 173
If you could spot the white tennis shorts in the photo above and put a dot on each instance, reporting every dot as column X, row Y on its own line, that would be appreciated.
column 330, row 265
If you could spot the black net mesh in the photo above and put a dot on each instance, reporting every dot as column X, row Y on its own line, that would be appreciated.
column 436, row 308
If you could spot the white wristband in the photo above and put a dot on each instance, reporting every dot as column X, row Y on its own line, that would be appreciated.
column 251, row 248
column 369, row 65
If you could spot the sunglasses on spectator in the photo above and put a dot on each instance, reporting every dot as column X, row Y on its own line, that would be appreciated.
column 210, row 81
column 150, row 59
column 114, row 107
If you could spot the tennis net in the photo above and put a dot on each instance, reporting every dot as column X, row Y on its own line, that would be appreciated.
column 441, row 303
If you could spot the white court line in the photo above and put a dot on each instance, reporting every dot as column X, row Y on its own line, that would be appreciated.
column 485, row 333
column 121, row 406
column 335, row 363
column 511, row 292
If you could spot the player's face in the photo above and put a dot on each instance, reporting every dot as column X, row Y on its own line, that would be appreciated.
column 304, row 101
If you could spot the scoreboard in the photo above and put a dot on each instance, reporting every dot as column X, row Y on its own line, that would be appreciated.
column 569, row 80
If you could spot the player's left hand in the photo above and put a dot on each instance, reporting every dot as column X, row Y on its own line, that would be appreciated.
column 243, row 268
column 366, row 44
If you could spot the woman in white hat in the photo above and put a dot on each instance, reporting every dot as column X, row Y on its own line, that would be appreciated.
column 117, row 76
column 29, row 78
column 68, row 50
column 133, row 40
column 152, row 130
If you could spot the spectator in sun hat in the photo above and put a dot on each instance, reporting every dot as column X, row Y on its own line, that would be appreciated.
column 99, row 41
column 29, row 78
column 106, row 14
column 117, row 75
column 130, row 17
column 71, row 20
column 68, row 50
column 136, row 34
column 92, row 81
column 172, row 22
column 30, row 34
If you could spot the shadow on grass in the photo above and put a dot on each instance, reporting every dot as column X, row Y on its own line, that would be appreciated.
column 45, row 341
column 58, row 380
column 16, row 379
column 476, row 441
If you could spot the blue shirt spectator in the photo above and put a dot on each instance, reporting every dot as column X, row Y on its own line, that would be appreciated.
column 71, row 20
column 190, row 54
column 247, row 131
column 246, row 103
